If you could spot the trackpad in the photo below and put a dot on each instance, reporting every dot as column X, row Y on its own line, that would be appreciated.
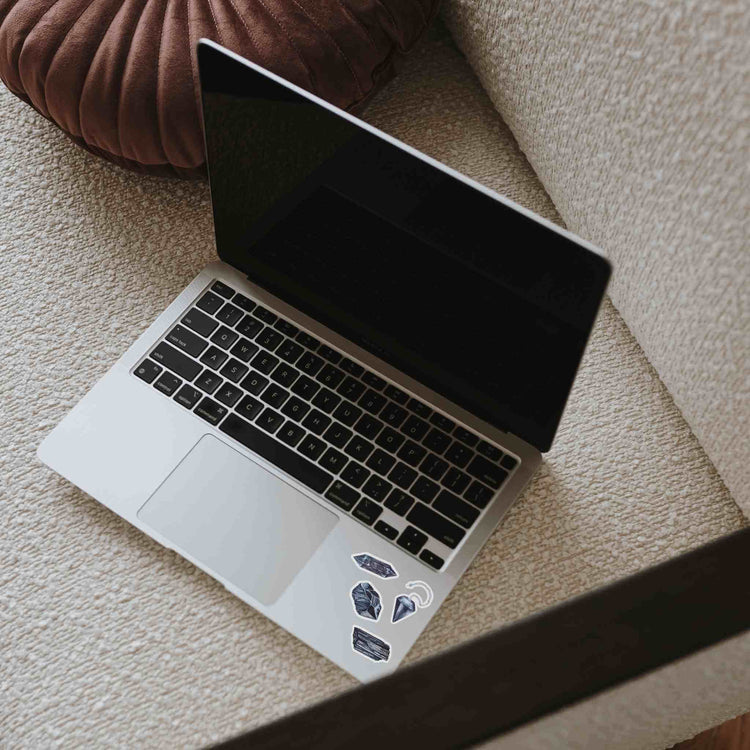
column 237, row 519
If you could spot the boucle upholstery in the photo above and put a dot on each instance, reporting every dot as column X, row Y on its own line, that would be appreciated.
column 120, row 77
column 108, row 638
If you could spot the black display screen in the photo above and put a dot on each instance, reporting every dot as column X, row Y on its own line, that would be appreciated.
column 462, row 292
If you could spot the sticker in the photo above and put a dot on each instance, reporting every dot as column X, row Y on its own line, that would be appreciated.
column 370, row 645
column 366, row 601
column 374, row 565
column 407, row 604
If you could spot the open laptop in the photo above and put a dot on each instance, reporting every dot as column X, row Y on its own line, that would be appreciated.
column 333, row 418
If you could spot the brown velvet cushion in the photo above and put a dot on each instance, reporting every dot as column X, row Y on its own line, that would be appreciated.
column 120, row 76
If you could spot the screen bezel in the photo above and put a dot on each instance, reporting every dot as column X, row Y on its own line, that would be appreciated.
column 210, row 53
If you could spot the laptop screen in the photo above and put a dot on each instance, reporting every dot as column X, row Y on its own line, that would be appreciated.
column 482, row 304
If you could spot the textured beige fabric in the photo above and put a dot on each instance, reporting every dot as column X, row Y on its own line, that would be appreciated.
column 108, row 638
column 635, row 118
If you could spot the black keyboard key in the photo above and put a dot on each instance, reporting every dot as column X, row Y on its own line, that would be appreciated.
column 295, row 409
column 291, row 433
column 278, row 454
column 212, row 412
column 359, row 448
column 264, row 362
column 486, row 471
column 330, row 376
column 351, row 367
column 265, row 315
column 243, row 302
column 425, row 489
column 431, row 559
column 466, row 437
column 412, row 540
column 249, row 408
column 415, row 428
column 442, row 422
column 289, row 351
column 435, row 525
column 307, row 340
column 508, row 462
column 489, row 451
column 411, row 453
column 437, row 441
column 337, row 435
column 224, row 337
column 287, row 328
column 284, row 374
column 275, row 395
column 368, row 426
column 147, row 370
column 316, row 422
column 380, row 461
column 222, row 289
column 234, row 370
column 456, row 480
column 326, row 400
column 330, row 354
column 374, row 381
column 347, row 413
column 310, row 363
column 390, row 440
column 478, row 494
column 269, row 420
column 355, row 474
column 351, row 388
column 210, row 303
column 396, row 394
column 228, row 394
column 367, row 511
column 459, row 454
column 399, row 502
column 343, row 496
column 333, row 460
column 254, row 383
column 305, row 387
column 269, row 339
column 377, row 488
column 372, row 402
column 419, row 408
column 167, row 383
column 312, row 447
column 188, row 396
column 249, row 327
column 229, row 314
column 244, row 350
column 208, row 381
column 402, row 475
column 456, row 509
column 388, row 531
column 214, row 358
column 393, row 414
column 433, row 466
column 199, row 322
column 177, row 362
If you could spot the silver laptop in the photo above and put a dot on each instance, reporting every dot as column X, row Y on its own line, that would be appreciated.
column 333, row 418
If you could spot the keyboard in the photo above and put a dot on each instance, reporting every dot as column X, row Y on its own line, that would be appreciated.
column 408, row 472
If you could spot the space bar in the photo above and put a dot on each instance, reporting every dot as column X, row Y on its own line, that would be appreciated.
column 277, row 453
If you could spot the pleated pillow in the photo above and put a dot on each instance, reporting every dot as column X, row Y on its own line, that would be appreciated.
column 120, row 76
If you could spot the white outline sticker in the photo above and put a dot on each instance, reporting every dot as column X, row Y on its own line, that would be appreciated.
column 354, row 606
column 377, row 638
column 378, row 559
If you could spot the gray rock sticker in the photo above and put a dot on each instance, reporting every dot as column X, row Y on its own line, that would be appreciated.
column 370, row 645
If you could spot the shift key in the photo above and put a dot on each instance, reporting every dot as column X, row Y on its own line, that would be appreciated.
column 176, row 361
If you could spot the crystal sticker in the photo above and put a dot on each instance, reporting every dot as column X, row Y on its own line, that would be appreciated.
column 374, row 565
column 370, row 645
column 366, row 601
column 403, row 607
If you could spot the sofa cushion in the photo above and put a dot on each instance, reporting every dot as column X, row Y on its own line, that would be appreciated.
column 634, row 117
column 120, row 76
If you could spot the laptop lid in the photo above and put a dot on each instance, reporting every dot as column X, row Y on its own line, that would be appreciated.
column 482, row 301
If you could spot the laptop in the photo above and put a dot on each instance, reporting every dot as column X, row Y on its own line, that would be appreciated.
column 333, row 417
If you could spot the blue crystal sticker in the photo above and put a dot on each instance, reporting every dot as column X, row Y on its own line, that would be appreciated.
column 366, row 601
column 370, row 645
column 372, row 564
column 403, row 607
column 407, row 604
